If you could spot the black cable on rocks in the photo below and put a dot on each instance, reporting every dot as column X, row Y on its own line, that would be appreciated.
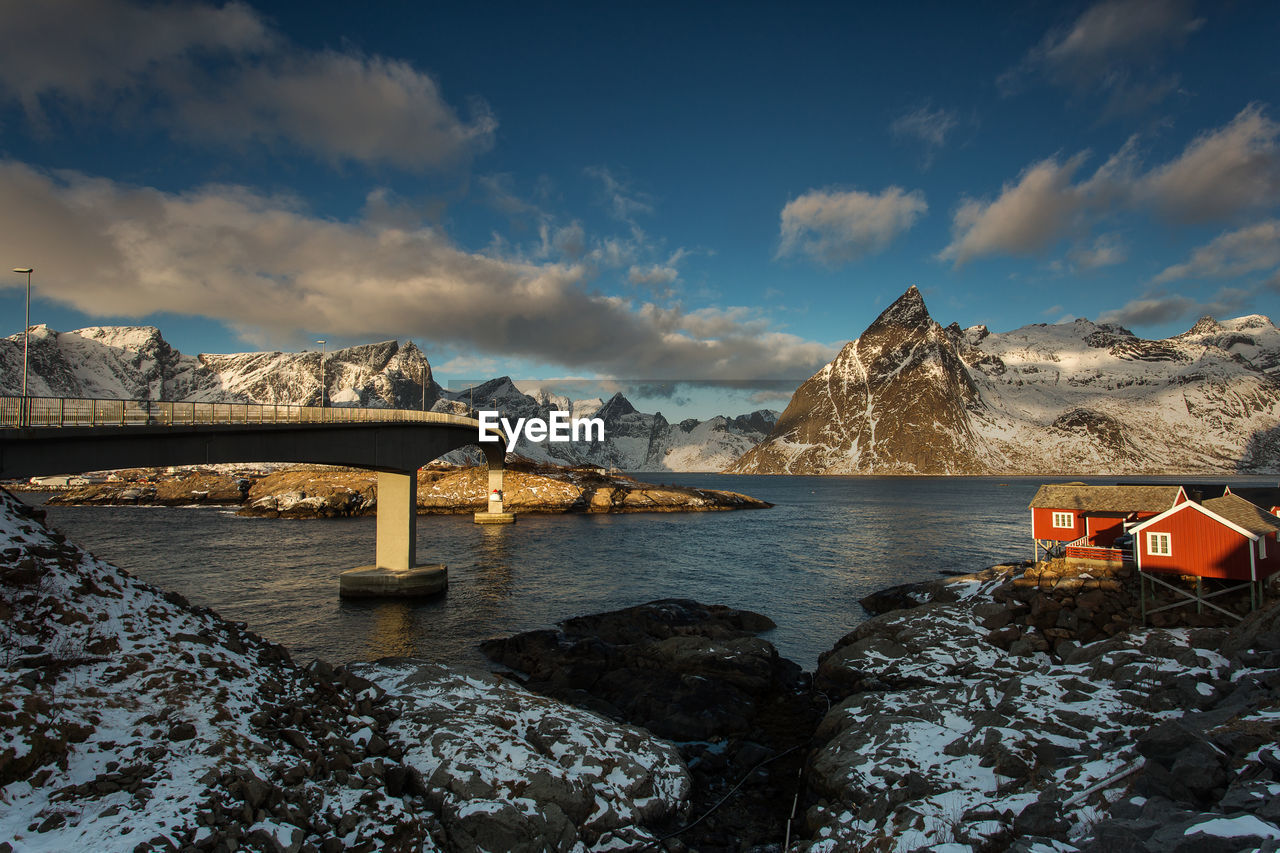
column 795, row 801
column 725, row 798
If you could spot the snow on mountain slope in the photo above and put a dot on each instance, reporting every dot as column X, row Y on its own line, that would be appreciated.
column 910, row 397
column 136, row 363
column 634, row 441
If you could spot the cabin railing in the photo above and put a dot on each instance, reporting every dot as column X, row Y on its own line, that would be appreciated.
column 42, row 412
column 1108, row 555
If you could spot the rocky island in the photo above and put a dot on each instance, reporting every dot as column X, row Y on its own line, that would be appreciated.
column 305, row 492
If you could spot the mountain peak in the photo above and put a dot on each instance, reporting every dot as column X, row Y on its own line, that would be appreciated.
column 907, row 310
column 1206, row 325
column 615, row 407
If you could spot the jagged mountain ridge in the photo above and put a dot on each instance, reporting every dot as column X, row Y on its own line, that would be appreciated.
column 136, row 363
column 634, row 440
column 910, row 397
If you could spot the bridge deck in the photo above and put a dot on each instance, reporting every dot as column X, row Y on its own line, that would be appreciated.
column 17, row 412
column 52, row 435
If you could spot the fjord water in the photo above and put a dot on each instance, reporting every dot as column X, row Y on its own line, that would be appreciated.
column 805, row 563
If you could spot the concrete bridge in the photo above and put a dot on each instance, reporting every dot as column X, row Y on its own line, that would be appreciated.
column 45, row 436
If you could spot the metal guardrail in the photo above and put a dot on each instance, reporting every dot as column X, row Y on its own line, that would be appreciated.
column 33, row 412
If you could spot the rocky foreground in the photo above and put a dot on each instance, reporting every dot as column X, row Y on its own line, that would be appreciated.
column 1019, row 708
column 698, row 675
column 298, row 492
column 130, row 720
column 963, row 720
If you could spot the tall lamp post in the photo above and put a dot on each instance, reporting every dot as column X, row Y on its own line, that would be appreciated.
column 321, row 343
column 26, row 336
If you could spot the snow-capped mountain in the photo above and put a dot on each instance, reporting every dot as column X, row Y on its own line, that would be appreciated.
column 136, row 363
column 910, row 397
column 634, row 441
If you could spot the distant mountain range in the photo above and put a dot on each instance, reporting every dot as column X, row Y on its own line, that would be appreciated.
column 136, row 363
column 906, row 397
column 911, row 397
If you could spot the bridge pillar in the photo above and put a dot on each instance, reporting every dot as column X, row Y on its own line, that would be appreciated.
column 396, row 572
column 494, row 513
column 397, row 521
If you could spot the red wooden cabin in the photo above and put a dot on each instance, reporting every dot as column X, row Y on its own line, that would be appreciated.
column 1226, row 537
column 1091, row 517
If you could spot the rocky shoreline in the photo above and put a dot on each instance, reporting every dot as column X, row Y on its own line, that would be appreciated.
column 1019, row 708
column 303, row 492
column 132, row 721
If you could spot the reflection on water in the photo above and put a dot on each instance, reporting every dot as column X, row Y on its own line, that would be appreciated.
column 805, row 563
column 392, row 634
column 493, row 562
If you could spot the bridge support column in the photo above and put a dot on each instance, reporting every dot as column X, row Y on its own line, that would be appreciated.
column 396, row 572
column 494, row 513
column 397, row 521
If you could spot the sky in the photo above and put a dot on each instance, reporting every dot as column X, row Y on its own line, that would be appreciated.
column 711, row 192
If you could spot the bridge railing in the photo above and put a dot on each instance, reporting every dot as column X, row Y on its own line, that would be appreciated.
column 78, row 412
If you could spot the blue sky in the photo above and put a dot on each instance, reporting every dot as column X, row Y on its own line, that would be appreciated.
column 657, row 191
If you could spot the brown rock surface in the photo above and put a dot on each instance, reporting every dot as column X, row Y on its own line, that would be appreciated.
column 300, row 492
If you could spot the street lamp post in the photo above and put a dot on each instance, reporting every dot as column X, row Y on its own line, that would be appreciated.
column 26, row 336
column 321, row 343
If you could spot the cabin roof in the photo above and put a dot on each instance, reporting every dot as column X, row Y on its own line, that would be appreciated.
column 1263, row 496
column 1078, row 496
column 1244, row 514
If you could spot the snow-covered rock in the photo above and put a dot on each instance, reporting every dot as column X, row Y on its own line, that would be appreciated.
column 1150, row 741
column 514, row 770
column 130, row 720
column 910, row 397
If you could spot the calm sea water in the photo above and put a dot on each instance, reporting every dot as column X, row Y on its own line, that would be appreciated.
column 805, row 563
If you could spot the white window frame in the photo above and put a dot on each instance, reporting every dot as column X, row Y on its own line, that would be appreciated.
column 1262, row 547
column 1059, row 517
column 1159, row 543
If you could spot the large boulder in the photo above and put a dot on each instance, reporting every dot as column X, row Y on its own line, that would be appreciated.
column 698, row 675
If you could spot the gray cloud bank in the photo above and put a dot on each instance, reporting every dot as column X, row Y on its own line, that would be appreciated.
column 267, row 266
column 220, row 73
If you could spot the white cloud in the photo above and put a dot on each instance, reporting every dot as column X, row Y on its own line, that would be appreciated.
column 337, row 106
column 1107, row 250
column 834, row 226
column 1026, row 218
column 1245, row 250
column 659, row 276
column 1220, row 175
column 623, row 202
column 653, row 275
column 1118, row 28
column 1115, row 47
column 264, row 263
column 1222, row 172
column 927, row 125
